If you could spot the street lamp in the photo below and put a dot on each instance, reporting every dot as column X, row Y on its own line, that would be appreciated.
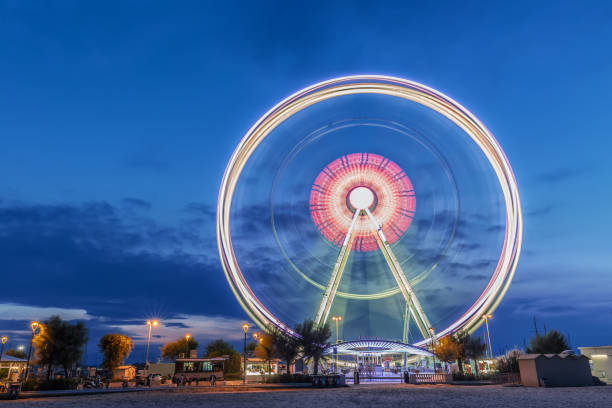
column 433, row 344
column 486, row 318
column 4, row 339
column 187, row 337
column 151, row 324
column 245, row 329
column 34, row 326
column 337, row 319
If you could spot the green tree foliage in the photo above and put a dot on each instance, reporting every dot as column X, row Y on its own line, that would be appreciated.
column 181, row 346
column 286, row 347
column 15, row 353
column 313, row 341
column 508, row 363
column 60, row 343
column 551, row 342
column 217, row 348
column 472, row 348
column 116, row 348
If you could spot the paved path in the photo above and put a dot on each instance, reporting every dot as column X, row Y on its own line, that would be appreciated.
column 391, row 395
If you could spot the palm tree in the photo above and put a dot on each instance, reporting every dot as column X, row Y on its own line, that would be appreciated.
column 313, row 341
column 286, row 347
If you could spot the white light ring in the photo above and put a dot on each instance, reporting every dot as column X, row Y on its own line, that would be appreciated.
column 377, row 84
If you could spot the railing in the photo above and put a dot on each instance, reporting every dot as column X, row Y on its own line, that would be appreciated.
column 430, row 378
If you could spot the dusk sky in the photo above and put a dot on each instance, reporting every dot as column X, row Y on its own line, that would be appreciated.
column 117, row 120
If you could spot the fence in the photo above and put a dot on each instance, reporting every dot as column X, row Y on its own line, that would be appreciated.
column 430, row 378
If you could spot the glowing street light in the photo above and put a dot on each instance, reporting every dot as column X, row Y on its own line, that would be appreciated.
column 187, row 337
column 151, row 324
column 34, row 326
column 337, row 319
column 245, row 329
column 4, row 339
column 486, row 318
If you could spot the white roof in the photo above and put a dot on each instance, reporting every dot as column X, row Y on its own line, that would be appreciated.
column 375, row 347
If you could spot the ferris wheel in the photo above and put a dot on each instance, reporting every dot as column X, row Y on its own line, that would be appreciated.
column 372, row 197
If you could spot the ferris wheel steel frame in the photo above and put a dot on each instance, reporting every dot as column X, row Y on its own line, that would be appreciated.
column 397, row 87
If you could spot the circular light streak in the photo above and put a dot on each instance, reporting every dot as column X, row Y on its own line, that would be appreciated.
column 356, row 182
column 396, row 87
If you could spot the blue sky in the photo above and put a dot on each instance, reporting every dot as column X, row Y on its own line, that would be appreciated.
column 117, row 119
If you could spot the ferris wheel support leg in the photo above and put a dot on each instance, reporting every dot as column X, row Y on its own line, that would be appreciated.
column 406, row 332
column 411, row 299
column 332, row 286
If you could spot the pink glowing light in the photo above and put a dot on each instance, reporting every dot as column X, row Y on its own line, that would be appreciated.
column 353, row 183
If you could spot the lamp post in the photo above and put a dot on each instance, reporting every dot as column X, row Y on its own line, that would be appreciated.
column 337, row 319
column 151, row 324
column 187, row 337
column 433, row 344
column 34, row 325
column 4, row 339
column 486, row 318
column 245, row 329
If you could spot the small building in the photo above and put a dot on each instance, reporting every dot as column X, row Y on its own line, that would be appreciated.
column 600, row 359
column 124, row 373
column 554, row 370
column 12, row 367
column 163, row 369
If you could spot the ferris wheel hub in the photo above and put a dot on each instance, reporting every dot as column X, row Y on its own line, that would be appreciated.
column 361, row 198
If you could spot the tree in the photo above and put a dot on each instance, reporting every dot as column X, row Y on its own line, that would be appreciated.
column 181, row 346
column 447, row 349
column 116, row 348
column 313, row 341
column 474, row 349
column 286, row 347
column 60, row 343
column 551, row 342
column 265, row 350
column 217, row 348
column 15, row 353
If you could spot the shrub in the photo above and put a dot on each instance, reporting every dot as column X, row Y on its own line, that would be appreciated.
column 509, row 362
column 284, row 378
column 59, row 384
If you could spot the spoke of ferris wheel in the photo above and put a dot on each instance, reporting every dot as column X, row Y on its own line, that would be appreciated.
column 334, row 281
column 420, row 318
column 407, row 313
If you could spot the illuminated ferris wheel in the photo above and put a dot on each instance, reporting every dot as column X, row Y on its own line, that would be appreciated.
column 375, row 198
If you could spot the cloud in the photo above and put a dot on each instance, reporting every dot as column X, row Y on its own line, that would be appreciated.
column 136, row 203
column 200, row 327
column 560, row 174
column 24, row 312
column 541, row 211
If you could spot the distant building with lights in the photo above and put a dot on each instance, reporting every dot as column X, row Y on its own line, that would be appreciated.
column 600, row 359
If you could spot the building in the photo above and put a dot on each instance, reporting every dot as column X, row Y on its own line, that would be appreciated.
column 124, row 372
column 554, row 370
column 600, row 359
column 14, row 367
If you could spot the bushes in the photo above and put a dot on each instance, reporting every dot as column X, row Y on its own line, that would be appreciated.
column 55, row 384
column 509, row 362
column 284, row 378
column 459, row 376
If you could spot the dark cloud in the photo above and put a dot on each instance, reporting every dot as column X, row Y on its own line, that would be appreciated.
column 200, row 209
column 560, row 174
column 541, row 211
column 136, row 203
column 177, row 324
column 90, row 256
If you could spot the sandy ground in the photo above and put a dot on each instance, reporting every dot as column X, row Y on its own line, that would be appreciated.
column 392, row 395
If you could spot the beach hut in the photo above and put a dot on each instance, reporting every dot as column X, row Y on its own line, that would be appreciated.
column 554, row 370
